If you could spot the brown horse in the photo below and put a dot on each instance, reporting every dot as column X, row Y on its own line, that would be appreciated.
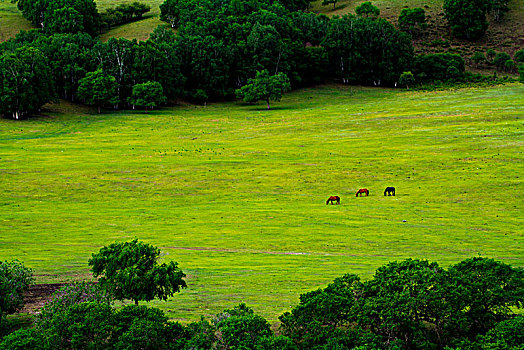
column 333, row 199
column 362, row 190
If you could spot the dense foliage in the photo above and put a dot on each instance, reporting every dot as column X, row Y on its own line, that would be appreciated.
column 62, row 16
column 412, row 20
column 411, row 304
column 218, row 46
column 439, row 67
column 66, row 297
column 408, row 305
column 25, row 85
column 265, row 87
column 124, row 13
column 15, row 279
column 467, row 18
column 374, row 54
column 130, row 270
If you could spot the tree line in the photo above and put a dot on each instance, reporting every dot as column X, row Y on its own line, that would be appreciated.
column 218, row 48
column 409, row 304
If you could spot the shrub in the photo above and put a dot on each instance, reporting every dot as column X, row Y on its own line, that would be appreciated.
column 500, row 59
column 406, row 79
column 519, row 56
column 509, row 65
column 367, row 9
column 490, row 55
column 439, row 66
column 66, row 297
column 412, row 20
column 15, row 279
column 478, row 57
column 24, row 339
column 507, row 335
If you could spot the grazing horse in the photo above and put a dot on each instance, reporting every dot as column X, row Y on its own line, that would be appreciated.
column 362, row 190
column 389, row 191
column 333, row 199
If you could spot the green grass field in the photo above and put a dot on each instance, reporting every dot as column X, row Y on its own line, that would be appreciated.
column 236, row 194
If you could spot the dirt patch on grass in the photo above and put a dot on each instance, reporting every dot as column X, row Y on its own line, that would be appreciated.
column 38, row 295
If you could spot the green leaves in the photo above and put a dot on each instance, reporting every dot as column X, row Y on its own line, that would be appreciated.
column 130, row 271
column 367, row 9
column 415, row 304
column 15, row 279
column 467, row 18
column 265, row 87
column 25, row 82
column 362, row 50
column 412, row 20
column 98, row 88
column 148, row 95
column 62, row 16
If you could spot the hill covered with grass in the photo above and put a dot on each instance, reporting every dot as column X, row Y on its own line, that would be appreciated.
column 237, row 194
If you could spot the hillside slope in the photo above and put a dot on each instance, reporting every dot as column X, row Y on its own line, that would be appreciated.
column 504, row 36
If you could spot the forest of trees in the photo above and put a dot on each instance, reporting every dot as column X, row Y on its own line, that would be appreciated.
column 217, row 48
column 409, row 304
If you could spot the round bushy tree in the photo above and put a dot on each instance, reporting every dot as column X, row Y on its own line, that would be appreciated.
column 98, row 88
column 467, row 18
column 367, row 9
column 147, row 95
column 406, row 79
column 130, row 270
column 265, row 87
column 412, row 20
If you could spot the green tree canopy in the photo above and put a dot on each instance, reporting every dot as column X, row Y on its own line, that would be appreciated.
column 467, row 18
column 406, row 79
column 98, row 89
column 26, row 83
column 367, row 9
column 412, row 20
column 519, row 56
column 265, row 87
column 62, row 16
column 412, row 304
column 362, row 50
column 131, row 270
column 147, row 95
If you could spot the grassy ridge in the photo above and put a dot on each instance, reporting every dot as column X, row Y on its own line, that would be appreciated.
column 236, row 194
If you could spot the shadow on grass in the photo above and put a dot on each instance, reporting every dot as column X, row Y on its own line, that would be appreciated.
column 260, row 108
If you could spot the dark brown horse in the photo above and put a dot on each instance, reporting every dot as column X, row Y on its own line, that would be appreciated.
column 361, row 191
column 333, row 199
column 390, row 191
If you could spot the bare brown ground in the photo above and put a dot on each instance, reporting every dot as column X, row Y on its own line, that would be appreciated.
column 37, row 295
